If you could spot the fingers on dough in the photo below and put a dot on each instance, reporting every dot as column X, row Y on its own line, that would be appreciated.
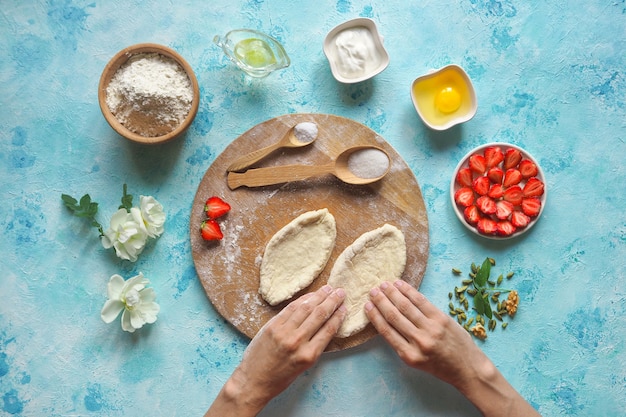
column 296, row 255
column 376, row 256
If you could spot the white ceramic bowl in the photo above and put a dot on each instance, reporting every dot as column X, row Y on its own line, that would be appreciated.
column 361, row 55
column 425, row 90
column 464, row 163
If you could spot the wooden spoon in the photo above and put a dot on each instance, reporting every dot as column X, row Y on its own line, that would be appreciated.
column 289, row 140
column 279, row 174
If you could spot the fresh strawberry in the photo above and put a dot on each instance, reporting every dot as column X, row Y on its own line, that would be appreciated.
column 505, row 228
column 486, row 205
column 464, row 196
column 477, row 164
column 511, row 177
column 487, row 226
column 471, row 214
column 504, row 209
column 533, row 187
column 528, row 168
column 513, row 195
column 481, row 185
column 464, row 177
column 493, row 156
column 531, row 206
column 496, row 191
column 496, row 175
column 210, row 230
column 512, row 157
column 216, row 207
column 519, row 219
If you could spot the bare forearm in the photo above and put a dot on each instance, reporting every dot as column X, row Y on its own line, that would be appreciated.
column 492, row 394
column 235, row 400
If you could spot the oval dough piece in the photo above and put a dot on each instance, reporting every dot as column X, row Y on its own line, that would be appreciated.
column 296, row 255
column 376, row 256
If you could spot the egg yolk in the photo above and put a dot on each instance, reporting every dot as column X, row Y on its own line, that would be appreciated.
column 448, row 100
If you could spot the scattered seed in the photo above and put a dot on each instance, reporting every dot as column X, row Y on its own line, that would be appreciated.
column 492, row 261
column 494, row 298
column 450, row 295
column 458, row 310
column 470, row 321
column 504, row 325
column 474, row 268
column 510, row 275
column 466, row 304
column 456, row 271
column 451, row 306
column 472, row 291
column 499, row 306
column 452, row 312
column 463, row 316
column 467, row 281
column 472, row 274
column 497, row 315
column 500, row 277
column 459, row 319
column 491, row 283
column 502, row 312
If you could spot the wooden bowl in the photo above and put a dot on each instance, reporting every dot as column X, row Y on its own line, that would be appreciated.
column 120, row 59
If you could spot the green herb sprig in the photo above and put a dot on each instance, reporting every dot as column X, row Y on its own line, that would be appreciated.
column 83, row 208
column 485, row 293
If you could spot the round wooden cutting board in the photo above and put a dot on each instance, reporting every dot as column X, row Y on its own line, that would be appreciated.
column 229, row 269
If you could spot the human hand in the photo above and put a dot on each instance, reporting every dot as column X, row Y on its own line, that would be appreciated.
column 426, row 338
column 286, row 346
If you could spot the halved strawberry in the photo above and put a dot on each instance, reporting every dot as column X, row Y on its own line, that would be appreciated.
column 496, row 191
column 487, row 226
column 504, row 209
column 511, row 177
column 531, row 206
column 464, row 177
column 528, row 168
column 496, row 175
column 481, row 185
column 464, row 196
column 533, row 187
column 493, row 156
column 505, row 228
column 486, row 205
column 513, row 195
column 210, row 230
column 519, row 219
column 216, row 207
column 512, row 157
column 471, row 214
column 477, row 164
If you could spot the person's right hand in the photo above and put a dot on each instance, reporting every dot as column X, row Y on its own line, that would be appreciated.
column 427, row 339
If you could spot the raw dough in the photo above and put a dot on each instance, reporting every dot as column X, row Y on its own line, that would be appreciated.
column 376, row 256
column 296, row 255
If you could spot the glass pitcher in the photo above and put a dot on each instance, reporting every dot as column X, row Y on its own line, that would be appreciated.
column 254, row 52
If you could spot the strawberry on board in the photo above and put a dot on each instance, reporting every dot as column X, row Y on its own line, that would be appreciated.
column 210, row 230
column 513, row 195
column 487, row 226
column 477, row 164
column 481, row 185
column 471, row 214
column 464, row 196
column 511, row 177
column 512, row 157
column 493, row 156
column 464, row 177
column 528, row 168
column 486, row 205
column 505, row 228
column 533, row 187
column 216, row 207
column 531, row 206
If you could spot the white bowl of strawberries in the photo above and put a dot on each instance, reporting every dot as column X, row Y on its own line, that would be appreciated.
column 498, row 190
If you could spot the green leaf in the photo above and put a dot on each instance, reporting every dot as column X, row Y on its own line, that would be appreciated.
column 69, row 201
column 483, row 274
column 487, row 306
column 479, row 303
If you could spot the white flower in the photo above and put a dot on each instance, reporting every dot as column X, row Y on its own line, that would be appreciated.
column 152, row 214
column 127, row 234
column 134, row 299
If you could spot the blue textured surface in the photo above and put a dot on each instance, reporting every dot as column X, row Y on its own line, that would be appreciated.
column 549, row 76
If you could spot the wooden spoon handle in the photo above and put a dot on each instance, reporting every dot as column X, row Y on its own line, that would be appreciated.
column 275, row 175
column 253, row 157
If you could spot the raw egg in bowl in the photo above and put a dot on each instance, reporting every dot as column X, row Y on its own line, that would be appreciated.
column 444, row 98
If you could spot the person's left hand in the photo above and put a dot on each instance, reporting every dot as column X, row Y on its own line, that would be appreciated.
column 286, row 346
